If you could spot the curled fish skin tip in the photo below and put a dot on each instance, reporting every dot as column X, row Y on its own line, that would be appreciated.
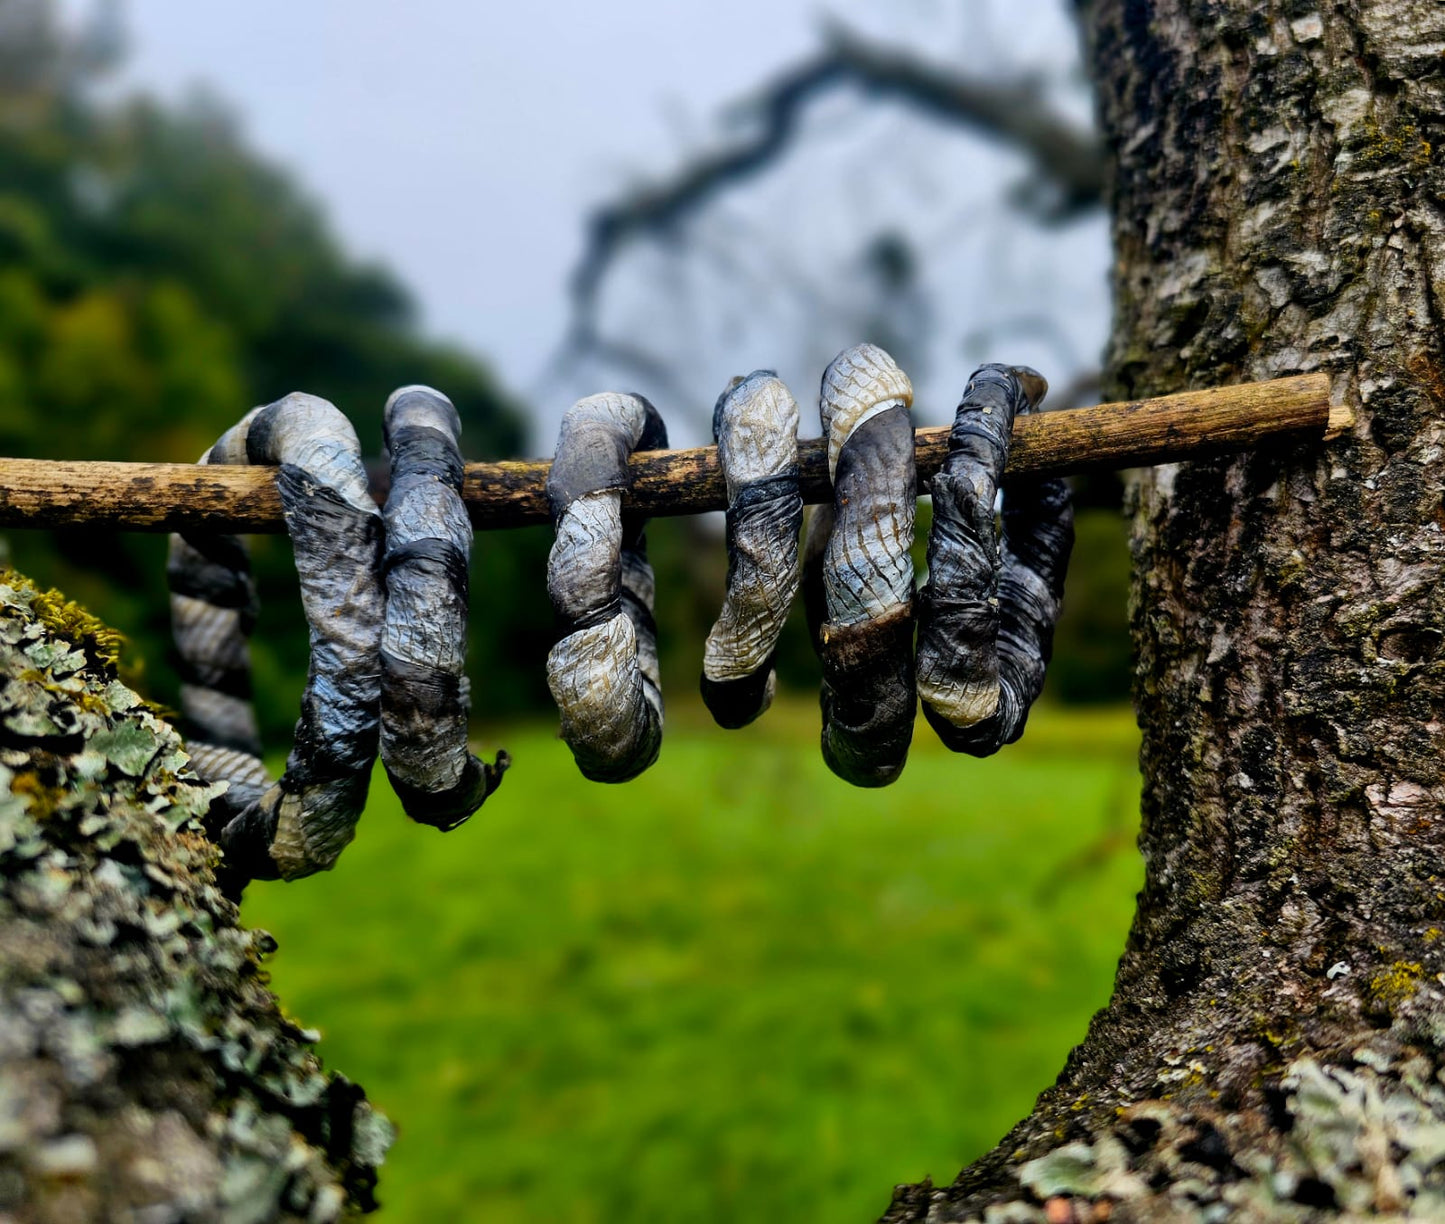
column 424, row 702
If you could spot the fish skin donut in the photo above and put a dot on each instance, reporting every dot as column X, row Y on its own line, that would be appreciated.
column 423, row 643
column 603, row 672
column 858, row 568
column 988, row 611
column 299, row 825
column 755, row 425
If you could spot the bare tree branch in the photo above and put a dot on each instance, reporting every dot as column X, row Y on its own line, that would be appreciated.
column 1016, row 112
column 217, row 497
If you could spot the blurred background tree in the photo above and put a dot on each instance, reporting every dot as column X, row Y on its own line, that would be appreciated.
column 813, row 212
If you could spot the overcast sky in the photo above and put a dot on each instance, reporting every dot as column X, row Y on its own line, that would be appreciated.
column 461, row 141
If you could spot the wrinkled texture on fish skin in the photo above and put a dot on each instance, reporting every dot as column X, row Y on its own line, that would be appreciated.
column 755, row 425
column 300, row 824
column 424, row 703
column 603, row 673
column 858, row 571
column 987, row 613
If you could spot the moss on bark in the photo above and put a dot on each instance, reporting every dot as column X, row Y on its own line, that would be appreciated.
column 146, row 1071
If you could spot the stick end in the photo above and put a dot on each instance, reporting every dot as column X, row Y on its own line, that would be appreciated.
column 1340, row 420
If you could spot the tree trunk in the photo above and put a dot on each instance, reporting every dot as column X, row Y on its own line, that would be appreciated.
column 1275, row 1042
column 146, row 1073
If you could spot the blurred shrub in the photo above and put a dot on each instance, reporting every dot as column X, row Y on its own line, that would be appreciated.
column 1092, row 651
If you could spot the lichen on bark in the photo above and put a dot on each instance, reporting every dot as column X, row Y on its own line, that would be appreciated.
column 1275, row 1043
column 146, row 1071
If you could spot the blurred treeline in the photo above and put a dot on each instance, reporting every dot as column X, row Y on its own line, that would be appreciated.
column 158, row 278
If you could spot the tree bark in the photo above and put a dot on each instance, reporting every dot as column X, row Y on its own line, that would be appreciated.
column 1274, row 1046
column 146, row 1072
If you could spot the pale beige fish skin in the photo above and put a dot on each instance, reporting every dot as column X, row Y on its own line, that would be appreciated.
column 859, row 568
column 868, row 567
column 756, row 426
column 859, row 383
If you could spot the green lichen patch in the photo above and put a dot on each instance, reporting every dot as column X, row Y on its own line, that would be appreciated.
column 146, row 1071
column 1083, row 1170
column 1377, row 1141
column 66, row 619
column 1360, row 1138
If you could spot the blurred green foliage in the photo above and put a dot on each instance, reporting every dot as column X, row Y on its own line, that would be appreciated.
column 158, row 279
column 735, row 989
column 1092, row 652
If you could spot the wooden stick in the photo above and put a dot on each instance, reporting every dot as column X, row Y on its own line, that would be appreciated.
column 170, row 496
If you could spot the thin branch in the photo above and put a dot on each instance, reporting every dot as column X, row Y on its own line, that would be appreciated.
column 212, row 497
column 1015, row 112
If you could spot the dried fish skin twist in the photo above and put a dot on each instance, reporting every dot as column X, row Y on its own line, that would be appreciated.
column 603, row 673
column 959, row 612
column 424, row 700
column 300, row 824
column 858, row 570
column 988, row 611
column 755, row 425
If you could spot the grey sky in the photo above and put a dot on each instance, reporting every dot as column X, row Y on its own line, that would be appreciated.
column 462, row 142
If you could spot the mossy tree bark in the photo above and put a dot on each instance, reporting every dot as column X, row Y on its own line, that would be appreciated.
column 146, row 1072
column 1274, row 1046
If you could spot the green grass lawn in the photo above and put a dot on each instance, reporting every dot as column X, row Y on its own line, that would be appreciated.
column 735, row 989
